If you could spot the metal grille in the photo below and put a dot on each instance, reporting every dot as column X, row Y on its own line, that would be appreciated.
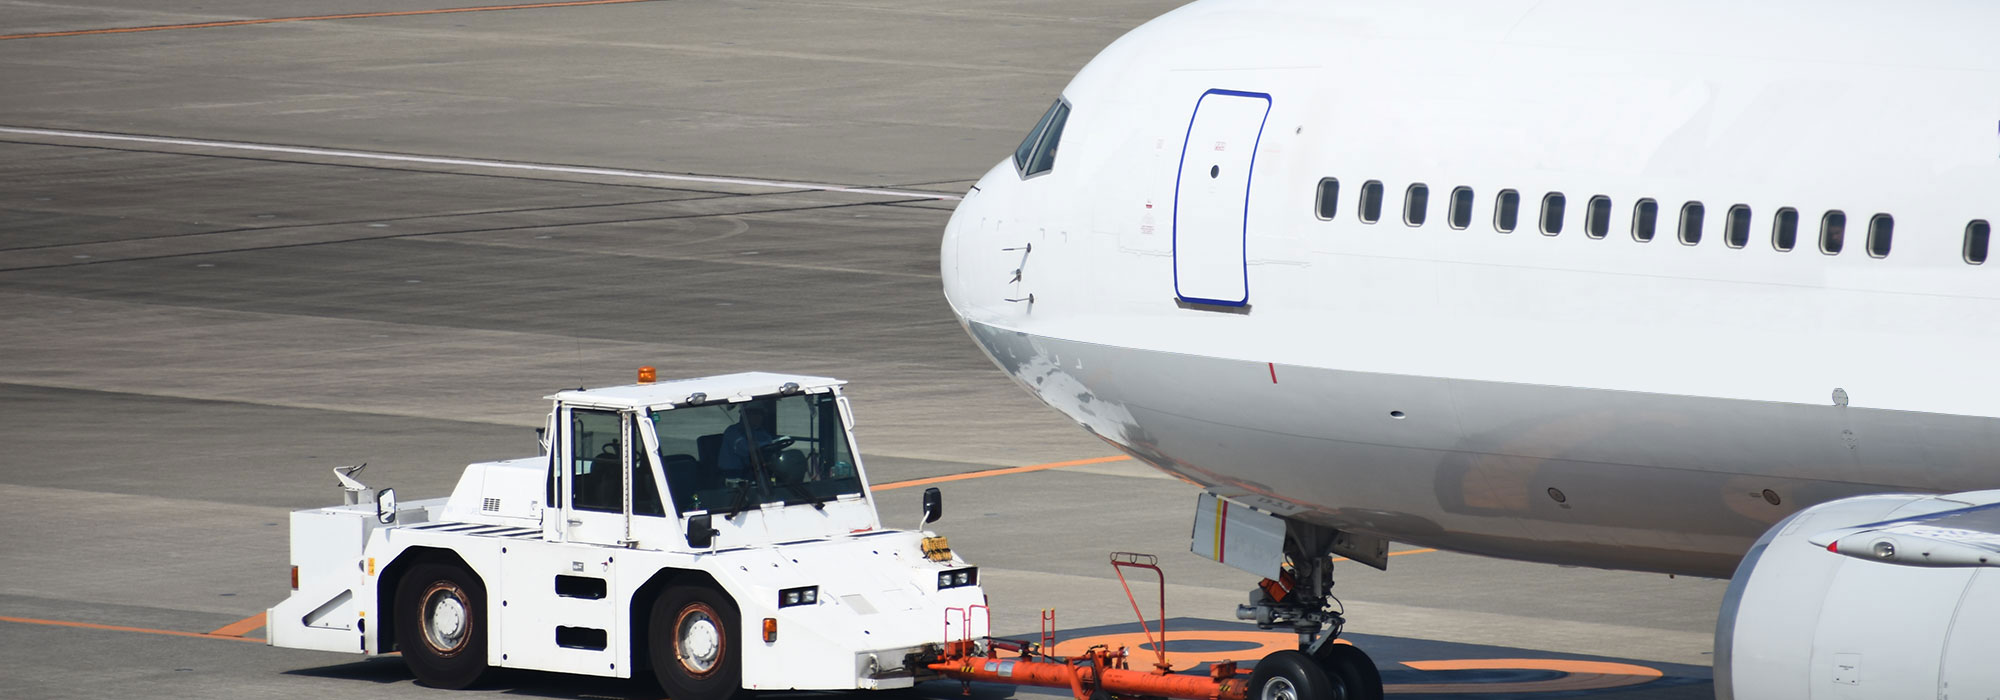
column 492, row 505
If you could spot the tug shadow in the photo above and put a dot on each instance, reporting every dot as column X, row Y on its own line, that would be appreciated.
column 539, row 684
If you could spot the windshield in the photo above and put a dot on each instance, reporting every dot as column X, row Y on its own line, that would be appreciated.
column 727, row 457
column 1037, row 153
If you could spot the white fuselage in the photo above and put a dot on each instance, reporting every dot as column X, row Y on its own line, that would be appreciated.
column 1609, row 402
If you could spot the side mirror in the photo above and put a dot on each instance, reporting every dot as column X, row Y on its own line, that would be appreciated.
column 385, row 506
column 701, row 531
column 933, row 505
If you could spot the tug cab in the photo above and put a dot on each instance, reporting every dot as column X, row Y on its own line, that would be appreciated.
column 768, row 461
column 719, row 530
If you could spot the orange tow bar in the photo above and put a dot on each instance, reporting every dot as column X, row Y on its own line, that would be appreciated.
column 1097, row 670
column 1100, row 672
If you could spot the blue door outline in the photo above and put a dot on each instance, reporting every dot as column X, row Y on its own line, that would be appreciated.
column 1248, row 178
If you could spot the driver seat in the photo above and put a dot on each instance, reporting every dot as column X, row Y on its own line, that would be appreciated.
column 708, row 449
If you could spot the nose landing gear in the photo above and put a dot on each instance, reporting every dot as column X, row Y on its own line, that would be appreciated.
column 1301, row 598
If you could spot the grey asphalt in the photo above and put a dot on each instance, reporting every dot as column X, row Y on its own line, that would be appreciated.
column 191, row 336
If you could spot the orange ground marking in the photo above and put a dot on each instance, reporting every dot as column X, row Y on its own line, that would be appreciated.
column 275, row 20
column 240, row 627
column 997, row 472
column 1578, row 675
column 118, row 628
column 1051, row 465
column 1395, row 554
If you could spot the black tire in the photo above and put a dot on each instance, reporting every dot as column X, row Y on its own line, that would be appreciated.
column 441, row 625
column 696, row 647
column 1290, row 675
column 1350, row 668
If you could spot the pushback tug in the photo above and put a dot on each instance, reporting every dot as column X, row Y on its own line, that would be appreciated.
column 720, row 531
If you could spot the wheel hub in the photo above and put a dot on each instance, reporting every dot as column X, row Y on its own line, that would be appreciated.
column 1279, row 688
column 446, row 618
column 700, row 642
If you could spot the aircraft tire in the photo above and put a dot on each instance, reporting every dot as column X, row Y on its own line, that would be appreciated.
column 1351, row 669
column 696, row 646
column 1291, row 675
column 441, row 625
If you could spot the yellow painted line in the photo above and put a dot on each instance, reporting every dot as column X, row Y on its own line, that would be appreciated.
column 240, row 627
column 120, row 628
column 315, row 18
column 997, row 472
column 1221, row 526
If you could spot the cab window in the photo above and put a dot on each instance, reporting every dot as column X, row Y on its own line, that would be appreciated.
column 727, row 457
column 597, row 462
column 1037, row 152
column 645, row 493
column 597, row 467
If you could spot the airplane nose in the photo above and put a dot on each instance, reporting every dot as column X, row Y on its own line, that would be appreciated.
column 964, row 219
column 973, row 276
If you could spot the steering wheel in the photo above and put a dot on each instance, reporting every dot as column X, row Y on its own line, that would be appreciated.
column 778, row 443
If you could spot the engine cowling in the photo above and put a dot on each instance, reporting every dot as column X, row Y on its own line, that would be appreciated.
column 1799, row 621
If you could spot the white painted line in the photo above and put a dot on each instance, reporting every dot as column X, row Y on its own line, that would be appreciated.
column 474, row 163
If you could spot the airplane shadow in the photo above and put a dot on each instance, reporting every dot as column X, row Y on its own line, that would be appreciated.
column 1411, row 668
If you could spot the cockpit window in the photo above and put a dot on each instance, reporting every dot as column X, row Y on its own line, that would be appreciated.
column 1037, row 153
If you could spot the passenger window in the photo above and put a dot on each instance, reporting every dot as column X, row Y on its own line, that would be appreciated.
column 1506, row 211
column 1976, row 235
column 597, row 462
column 1645, row 219
column 1416, row 203
column 1552, row 213
column 1329, row 199
column 1785, row 230
column 1736, row 228
column 1461, row 207
column 1880, row 228
column 1597, row 217
column 1691, row 214
column 1371, row 201
column 1832, row 232
column 1037, row 153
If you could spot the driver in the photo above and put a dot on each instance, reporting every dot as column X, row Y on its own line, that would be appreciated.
column 735, row 459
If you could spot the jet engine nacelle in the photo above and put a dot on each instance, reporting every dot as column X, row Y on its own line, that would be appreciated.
column 1800, row 621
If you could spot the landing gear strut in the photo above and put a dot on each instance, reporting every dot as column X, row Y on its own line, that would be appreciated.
column 1301, row 598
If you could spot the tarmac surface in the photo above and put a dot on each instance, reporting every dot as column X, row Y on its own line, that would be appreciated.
column 383, row 238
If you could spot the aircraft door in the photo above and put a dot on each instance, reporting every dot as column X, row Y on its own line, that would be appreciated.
column 1212, row 197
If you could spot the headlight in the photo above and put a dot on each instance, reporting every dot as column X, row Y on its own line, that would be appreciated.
column 808, row 595
column 958, row 578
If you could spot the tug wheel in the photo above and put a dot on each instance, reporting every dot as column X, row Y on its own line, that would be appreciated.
column 441, row 625
column 1350, row 669
column 697, row 653
column 1292, row 675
